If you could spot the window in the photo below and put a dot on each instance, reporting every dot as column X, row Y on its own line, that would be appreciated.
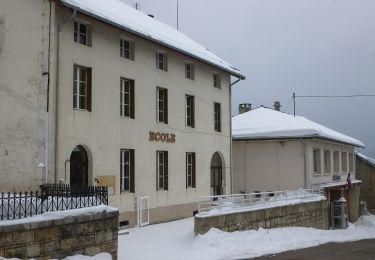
column 162, row 170
column 316, row 158
column 82, row 33
column 82, row 88
column 161, row 60
column 189, row 70
column 127, row 98
column 162, row 105
column 351, row 162
column 344, row 162
column 327, row 161
column 217, row 117
column 2, row 36
column 336, row 156
column 190, row 170
column 127, row 49
column 190, row 120
column 127, row 170
column 217, row 80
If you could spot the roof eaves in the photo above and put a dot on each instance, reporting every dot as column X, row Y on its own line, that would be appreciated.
column 233, row 73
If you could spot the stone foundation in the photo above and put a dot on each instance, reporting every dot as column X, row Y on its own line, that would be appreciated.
column 86, row 234
column 312, row 214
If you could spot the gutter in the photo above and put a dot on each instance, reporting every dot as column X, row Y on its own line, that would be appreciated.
column 233, row 73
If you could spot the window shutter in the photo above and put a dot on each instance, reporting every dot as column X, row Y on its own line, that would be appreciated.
column 157, row 59
column 165, row 62
column 121, row 170
column 192, row 71
column 165, row 170
column 132, row 171
column 193, row 112
column 89, row 35
column 132, row 105
column 89, row 90
column 166, row 106
column 132, row 50
column 193, row 173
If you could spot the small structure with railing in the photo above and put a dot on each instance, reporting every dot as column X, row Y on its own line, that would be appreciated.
column 215, row 205
column 50, row 197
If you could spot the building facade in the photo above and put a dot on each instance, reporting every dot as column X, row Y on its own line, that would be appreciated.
column 126, row 111
column 365, row 167
column 273, row 151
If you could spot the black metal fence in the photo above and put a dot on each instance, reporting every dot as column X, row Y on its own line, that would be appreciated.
column 50, row 197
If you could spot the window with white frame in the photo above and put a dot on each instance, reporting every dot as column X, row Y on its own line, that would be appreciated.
column 82, row 88
column 162, row 105
column 317, row 161
column 127, row 49
column 127, row 170
column 127, row 98
column 217, row 117
column 162, row 170
column 190, row 170
column 82, row 33
column 190, row 113
column 217, row 80
column 189, row 70
column 327, row 161
column 161, row 60
column 351, row 162
column 344, row 162
column 336, row 162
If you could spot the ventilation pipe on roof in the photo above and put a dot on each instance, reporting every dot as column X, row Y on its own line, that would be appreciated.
column 277, row 105
column 151, row 15
column 244, row 107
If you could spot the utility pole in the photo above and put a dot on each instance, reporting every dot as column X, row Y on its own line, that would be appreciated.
column 177, row 15
column 294, row 104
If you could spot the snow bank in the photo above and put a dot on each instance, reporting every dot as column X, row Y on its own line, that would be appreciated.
column 59, row 215
column 266, row 123
column 176, row 240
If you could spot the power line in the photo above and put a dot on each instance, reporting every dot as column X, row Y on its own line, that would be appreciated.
column 328, row 96
column 338, row 96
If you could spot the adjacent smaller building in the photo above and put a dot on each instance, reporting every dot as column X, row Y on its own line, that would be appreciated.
column 366, row 172
column 273, row 150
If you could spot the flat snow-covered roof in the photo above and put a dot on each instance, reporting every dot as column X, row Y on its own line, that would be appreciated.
column 266, row 123
column 127, row 18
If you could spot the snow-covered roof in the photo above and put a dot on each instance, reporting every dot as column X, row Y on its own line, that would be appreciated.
column 367, row 159
column 127, row 18
column 266, row 123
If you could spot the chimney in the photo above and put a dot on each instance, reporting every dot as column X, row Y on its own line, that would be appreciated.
column 243, row 108
column 277, row 105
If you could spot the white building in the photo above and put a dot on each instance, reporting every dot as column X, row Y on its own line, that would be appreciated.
column 273, row 150
column 133, row 104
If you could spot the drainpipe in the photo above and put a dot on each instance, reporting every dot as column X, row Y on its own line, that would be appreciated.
column 230, row 131
column 305, row 164
column 60, row 27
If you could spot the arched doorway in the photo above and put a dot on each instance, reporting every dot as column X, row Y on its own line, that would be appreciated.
column 216, row 175
column 79, row 166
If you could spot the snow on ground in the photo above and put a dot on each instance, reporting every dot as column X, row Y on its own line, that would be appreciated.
column 176, row 240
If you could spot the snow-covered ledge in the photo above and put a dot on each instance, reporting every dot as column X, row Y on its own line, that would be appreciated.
column 55, row 235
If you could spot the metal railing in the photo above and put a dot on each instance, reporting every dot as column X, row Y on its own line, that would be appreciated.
column 257, row 200
column 50, row 197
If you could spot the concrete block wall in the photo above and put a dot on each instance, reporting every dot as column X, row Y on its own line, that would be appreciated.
column 87, row 234
column 312, row 214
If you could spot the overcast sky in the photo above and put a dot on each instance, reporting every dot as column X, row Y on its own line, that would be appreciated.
column 310, row 47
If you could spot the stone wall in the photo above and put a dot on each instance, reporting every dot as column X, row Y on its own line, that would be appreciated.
column 312, row 214
column 366, row 173
column 87, row 234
